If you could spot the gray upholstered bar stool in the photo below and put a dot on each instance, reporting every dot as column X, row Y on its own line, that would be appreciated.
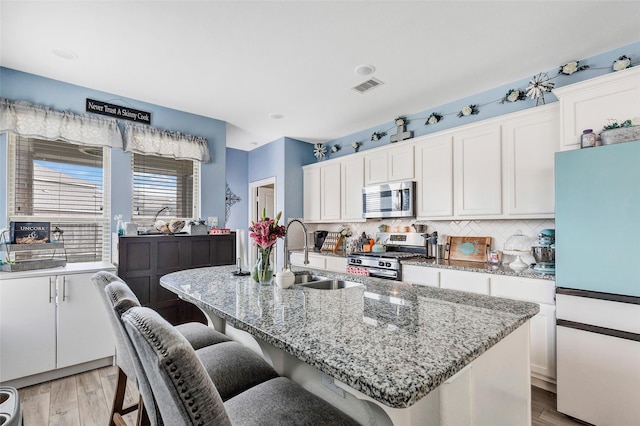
column 233, row 367
column 198, row 335
column 186, row 395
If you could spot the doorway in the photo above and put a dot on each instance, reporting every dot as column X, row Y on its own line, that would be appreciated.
column 262, row 194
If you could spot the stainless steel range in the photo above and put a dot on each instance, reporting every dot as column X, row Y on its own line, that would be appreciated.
column 387, row 264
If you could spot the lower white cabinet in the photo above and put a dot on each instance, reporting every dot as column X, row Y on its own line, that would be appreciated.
column 51, row 322
column 543, row 342
column 542, row 326
column 316, row 261
column 421, row 275
column 472, row 282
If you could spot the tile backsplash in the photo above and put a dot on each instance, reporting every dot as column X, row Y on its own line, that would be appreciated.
column 499, row 230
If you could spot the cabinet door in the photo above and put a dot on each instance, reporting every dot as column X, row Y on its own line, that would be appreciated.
column 434, row 173
column 330, row 186
column 352, row 175
column 27, row 327
column 84, row 331
column 421, row 275
column 336, row 264
column 530, row 145
column 376, row 168
column 543, row 342
column 591, row 103
column 315, row 261
column 472, row 282
column 478, row 171
column 311, row 205
column 400, row 160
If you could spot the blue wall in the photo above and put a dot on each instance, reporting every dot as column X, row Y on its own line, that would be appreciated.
column 58, row 95
column 599, row 65
column 238, row 181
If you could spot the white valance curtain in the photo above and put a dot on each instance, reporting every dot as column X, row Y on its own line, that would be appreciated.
column 148, row 140
column 37, row 121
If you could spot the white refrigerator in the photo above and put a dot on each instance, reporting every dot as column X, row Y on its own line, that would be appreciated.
column 598, row 283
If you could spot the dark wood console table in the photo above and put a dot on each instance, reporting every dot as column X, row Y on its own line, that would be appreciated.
column 143, row 259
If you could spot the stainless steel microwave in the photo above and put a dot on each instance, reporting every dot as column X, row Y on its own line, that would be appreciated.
column 389, row 200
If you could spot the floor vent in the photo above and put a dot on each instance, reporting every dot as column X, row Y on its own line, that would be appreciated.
column 368, row 85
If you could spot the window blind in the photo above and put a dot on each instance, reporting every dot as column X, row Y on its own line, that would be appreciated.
column 64, row 184
column 165, row 187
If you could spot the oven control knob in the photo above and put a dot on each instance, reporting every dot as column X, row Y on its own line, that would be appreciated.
column 359, row 261
column 380, row 263
column 389, row 264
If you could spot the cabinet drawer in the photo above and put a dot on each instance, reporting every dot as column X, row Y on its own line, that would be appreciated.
column 317, row 262
column 421, row 275
column 527, row 289
column 472, row 282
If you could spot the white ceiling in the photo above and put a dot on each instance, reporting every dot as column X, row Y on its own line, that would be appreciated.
column 240, row 61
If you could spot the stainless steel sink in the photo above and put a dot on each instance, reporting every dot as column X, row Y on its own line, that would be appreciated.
column 308, row 278
column 327, row 284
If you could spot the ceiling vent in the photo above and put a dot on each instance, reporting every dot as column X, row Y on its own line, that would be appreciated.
column 372, row 83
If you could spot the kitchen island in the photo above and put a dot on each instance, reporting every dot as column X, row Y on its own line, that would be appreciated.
column 387, row 352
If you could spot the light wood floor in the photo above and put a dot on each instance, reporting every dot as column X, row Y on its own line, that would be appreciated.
column 85, row 399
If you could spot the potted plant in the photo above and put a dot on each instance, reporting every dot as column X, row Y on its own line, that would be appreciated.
column 265, row 233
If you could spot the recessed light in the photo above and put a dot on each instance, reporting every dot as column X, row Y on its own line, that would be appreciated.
column 65, row 53
column 276, row 115
column 364, row 69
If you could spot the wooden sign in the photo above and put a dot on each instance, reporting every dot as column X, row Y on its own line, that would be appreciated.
column 117, row 111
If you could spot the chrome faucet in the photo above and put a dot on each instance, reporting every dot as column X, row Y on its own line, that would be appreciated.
column 287, row 260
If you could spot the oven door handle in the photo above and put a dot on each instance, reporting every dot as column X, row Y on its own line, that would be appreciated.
column 383, row 273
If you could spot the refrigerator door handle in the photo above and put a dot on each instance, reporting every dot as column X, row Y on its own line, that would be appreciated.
column 599, row 330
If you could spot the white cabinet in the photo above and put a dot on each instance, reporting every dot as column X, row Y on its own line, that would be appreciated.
column 27, row 327
column 434, row 173
column 421, row 275
column 389, row 164
column 51, row 322
column 330, row 189
column 333, row 190
column 311, row 187
column 543, row 342
column 336, row 264
column 320, row 261
column 352, row 175
column 542, row 326
column 590, row 104
column 477, row 168
column 530, row 143
column 316, row 261
column 472, row 282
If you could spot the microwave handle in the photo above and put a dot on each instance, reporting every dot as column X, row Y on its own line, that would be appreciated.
column 398, row 201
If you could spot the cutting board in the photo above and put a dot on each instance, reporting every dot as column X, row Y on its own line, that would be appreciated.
column 472, row 249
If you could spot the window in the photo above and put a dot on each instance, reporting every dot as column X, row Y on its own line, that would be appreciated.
column 64, row 184
column 163, row 187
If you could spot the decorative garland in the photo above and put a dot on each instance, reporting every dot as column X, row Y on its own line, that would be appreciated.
column 538, row 86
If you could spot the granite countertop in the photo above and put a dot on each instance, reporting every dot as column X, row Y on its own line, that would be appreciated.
column 392, row 341
column 458, row 265
column 486, row 268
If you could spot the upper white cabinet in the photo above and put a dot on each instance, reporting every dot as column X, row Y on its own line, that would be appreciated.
column 311, row 185
column 590, row 104
column 434, row 173
column 530, row 142
column 333, row 190
column 330, row 189
column 352, row 175
column 389, row 164
column 477, row 171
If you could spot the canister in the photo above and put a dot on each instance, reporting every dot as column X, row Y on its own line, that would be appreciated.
column 587, row 139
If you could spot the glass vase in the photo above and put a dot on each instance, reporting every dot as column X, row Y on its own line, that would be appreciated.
column 263, row 270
